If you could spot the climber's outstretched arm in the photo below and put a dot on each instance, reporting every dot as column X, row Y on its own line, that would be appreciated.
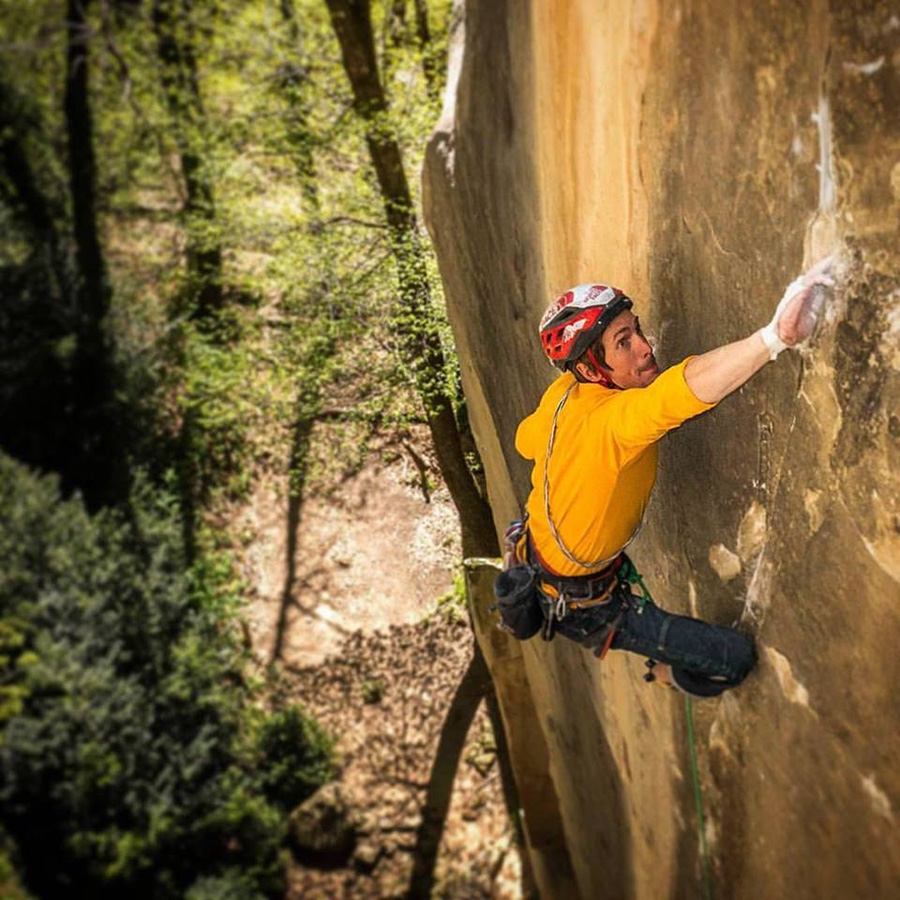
column 714, row 375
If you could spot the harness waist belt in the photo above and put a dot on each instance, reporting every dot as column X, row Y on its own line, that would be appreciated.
column 580, row 591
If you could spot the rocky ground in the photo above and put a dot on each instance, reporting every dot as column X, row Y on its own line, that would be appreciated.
column 386, row 696
column 370, row 651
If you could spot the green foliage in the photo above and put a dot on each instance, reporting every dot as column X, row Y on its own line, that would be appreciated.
column 372, row 690
column 309, row 278
column 219, row 403
column 132, row 762
column 129, row 765
column 297, row 757
column 455, row 598
column 230, row 886
column 10, row 883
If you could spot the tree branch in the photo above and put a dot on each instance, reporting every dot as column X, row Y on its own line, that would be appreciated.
column 136, row 108
column 335, row 220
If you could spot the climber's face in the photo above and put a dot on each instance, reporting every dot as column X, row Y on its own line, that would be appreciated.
column 628, row 354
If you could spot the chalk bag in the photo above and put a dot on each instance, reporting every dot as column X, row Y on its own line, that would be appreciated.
column 518, row 602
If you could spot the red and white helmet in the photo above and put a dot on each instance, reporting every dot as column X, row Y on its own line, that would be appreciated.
column 576, row 319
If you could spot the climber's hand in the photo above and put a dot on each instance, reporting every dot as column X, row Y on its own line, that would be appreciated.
column 798, row 312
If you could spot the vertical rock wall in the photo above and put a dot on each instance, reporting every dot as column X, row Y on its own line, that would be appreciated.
column 698, row 154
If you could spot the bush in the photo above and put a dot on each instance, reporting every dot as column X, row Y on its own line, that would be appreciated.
column 128, row 766
column 297, row 757
column 10, row 885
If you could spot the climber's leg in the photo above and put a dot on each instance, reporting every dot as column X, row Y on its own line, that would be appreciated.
column 705, row 659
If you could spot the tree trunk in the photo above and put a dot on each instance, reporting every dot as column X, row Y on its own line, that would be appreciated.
column 36, row 213
column 98, row 467
column 415, row 323
column 178, row 73
column 474, row 685
column 293, row 80
column 203, row 298
column 429, row 61
column 396, row 37
column 93, row 294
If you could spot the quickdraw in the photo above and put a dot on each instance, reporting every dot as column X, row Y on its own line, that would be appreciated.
column 514, row 543
column 628, row 574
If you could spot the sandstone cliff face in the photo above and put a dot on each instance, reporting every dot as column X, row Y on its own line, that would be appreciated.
column 697, row 154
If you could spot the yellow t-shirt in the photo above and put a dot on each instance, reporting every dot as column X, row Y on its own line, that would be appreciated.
column 603, row 465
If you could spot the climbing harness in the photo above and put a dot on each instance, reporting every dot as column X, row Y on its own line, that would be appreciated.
column 527, row 585
column 564, row 594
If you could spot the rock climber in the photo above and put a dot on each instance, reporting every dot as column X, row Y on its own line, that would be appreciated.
column 594, row 439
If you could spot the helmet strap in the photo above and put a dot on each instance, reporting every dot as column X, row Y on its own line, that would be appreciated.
column 604, row 379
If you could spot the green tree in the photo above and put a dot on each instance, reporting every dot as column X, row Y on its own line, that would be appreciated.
column 101, row 475
column 130, row 763
column 58, row 398
column 415, row 318
column 36, row 319
column 175, row 31
column 30, row 208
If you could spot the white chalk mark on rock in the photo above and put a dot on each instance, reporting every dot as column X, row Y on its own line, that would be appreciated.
column 822, row 118
column 890, row 339
column 757, row 600
column 880, row 801
column 726, row 563
column 792, row 689
column 886, row 553
column 819, row 394
column 821, row 234
column 752, row 532
column 692, row 599
column 869, row 68
column 813, row 511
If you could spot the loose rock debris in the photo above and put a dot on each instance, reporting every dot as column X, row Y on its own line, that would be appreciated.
column 385, row 696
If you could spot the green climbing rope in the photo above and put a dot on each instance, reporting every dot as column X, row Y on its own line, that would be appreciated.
column 629, row 573
column 698, row 798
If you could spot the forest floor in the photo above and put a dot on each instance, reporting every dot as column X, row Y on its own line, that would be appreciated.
column 375, row 640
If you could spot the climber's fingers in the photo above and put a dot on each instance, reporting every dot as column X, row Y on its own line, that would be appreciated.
column 797, row 313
